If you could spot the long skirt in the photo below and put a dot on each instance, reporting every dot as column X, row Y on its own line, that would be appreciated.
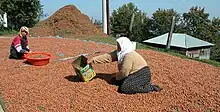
column 138, row 82
column 14, row 54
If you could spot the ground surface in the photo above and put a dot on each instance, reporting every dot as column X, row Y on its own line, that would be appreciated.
column 187, row 85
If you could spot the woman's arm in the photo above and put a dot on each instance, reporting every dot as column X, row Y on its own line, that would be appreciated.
column 105, row 58
column 17, row 44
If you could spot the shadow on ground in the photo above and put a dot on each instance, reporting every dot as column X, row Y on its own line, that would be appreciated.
column 109, row 78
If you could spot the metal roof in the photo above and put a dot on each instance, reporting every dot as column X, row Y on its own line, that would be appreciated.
column 179, row 40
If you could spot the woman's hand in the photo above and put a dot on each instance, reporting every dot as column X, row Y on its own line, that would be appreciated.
column 26, row 52
column 90, row 61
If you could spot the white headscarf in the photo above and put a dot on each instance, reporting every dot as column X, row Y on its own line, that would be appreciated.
column 126, row 47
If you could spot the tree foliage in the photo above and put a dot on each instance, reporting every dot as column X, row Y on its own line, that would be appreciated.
column 196, row 23
column 121, row 19
column 215, row 52
column 162, row 20
column 21, row 12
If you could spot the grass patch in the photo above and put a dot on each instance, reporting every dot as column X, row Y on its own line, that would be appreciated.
column 7, row 32
column 41, row 108
column 2, row 103
column 211, row 62
column 71, row 104
column 208, row 110
column 177, row 109
column 107, row 40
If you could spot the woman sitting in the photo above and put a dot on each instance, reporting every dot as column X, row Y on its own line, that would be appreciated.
column 19, row 44
column 134, row 75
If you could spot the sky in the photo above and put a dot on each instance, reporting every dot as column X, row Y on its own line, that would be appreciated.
column 93, row 8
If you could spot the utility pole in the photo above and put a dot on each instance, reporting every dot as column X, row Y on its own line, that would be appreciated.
column 104, row 16
column 132, row 21
column 131, row 25
column 108, row 15
column 170, row 33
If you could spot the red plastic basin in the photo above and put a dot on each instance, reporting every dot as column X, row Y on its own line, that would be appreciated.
column 38, row 58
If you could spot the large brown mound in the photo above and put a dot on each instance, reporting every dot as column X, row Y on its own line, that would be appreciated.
column 66, row 21
column 188, row 86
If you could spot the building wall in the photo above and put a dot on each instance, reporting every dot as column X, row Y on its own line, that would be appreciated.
column 3, row 19
column 203, row 53
column 193, row 53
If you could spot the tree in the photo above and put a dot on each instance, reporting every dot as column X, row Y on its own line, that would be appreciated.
column 215, row 29
column 215, row 52
column 121, row 19
column 1, row 19
column 140, row 28
column 97, row 22
column 162, row 20
column 22, row 12
column 197, row 24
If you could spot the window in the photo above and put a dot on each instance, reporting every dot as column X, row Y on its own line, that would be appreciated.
column 202, row 52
